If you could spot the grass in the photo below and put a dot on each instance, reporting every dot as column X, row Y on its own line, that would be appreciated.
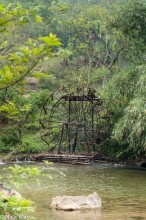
column 32, row 143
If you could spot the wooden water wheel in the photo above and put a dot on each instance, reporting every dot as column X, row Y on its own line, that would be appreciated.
column 74, row 121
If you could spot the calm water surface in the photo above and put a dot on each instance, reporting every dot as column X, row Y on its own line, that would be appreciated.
column 122, row 190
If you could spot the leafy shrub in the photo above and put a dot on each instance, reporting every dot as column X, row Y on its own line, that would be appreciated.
column 8, row 138
column 14, row 207
column 31, row 144
column 32, row 127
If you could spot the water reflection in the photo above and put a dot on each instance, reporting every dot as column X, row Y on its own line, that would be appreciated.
column 76, row 215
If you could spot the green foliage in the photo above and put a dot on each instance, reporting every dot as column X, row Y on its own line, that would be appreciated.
column 79, row 27
column 125, row 96
column 16, row 64
column 31, row 144
column 21, row 62
column 120, row 89
column 24, row 113
column 130, row 130
column 134, row 13
column 8, row 139
column 129, row 19
column 22, row 172
column 39, row 99
column 19, row 175
column 31, row 141
column 12, row 111
column 14, row 207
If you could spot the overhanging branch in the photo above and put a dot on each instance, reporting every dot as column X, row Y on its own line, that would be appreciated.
column 23, row 76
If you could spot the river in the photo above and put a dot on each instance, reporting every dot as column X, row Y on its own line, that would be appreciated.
column 122, row 191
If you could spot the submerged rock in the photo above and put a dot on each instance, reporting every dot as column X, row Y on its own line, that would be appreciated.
column 5, row 193
column 2, row 162
column 70, row 203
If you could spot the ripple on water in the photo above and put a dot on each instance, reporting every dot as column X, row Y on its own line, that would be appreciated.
column 122, row 192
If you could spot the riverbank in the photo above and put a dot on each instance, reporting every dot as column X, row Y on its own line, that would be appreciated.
column 69, row 160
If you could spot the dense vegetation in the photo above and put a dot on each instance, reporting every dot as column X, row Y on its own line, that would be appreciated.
column 97, row 44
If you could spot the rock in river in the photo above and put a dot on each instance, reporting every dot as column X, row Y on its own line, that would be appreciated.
column 70, row 203
column 5, row 193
